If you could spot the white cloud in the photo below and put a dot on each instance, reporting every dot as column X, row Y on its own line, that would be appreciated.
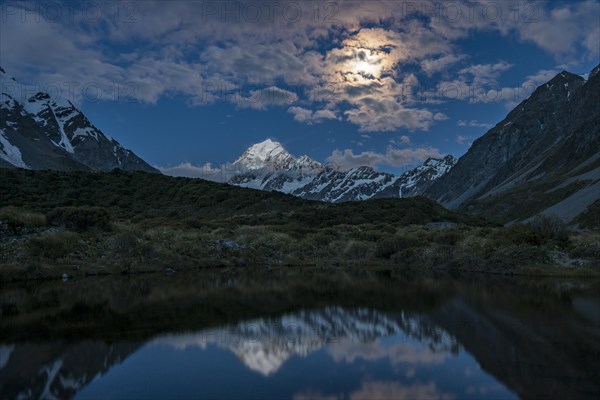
column 474, row 124
column 484, row 73
column 460, row 139
column 270, row 96
column 377, row 115
column 394, row 157
column 476, row 84
column 311, row 117
column 181, row 48
column 441, row 63
column 440, row 117
column 206, row 171
column 564, row 28
column 400, row 141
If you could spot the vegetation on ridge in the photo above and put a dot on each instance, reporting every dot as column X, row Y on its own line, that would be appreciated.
column 76, row 223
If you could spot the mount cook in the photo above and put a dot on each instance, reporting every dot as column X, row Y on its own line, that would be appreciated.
column 268, row 166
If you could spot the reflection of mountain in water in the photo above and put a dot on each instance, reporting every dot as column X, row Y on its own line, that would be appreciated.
column 264, row 345
column 55, row 370
column 538, row 358
column 539, row 344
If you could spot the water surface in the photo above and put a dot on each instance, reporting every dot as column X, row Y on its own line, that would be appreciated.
column 286, row 334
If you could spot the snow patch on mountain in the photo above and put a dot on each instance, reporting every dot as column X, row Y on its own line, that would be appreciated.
column 10, row 153
column 263, row 155
column 54, row 134
column 269, row 166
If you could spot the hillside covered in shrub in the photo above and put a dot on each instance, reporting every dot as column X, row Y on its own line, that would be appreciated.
column 144, row 196
column 85, row 223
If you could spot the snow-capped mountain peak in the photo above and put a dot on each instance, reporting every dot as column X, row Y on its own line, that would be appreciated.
column 415, row 181
column 268, row 166
column 261, row 155
column 48, row 132
column 270, row 156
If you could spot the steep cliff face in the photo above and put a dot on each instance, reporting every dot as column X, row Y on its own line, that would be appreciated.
column 46, row 132
column 543, row 157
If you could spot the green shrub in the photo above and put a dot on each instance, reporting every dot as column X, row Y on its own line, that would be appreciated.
column 408, row 256
column 389, row 246
column 54, row 245
column 415, row 216
column 194, row 223
column 355, row 250
column 80, row 219
column 220, row 196
column 586, row 245
column 123, row 242
column 17, row 218
column 517, row 255
column 448, row 238
column 550, row 228
column 517, row 234
column 437, row 255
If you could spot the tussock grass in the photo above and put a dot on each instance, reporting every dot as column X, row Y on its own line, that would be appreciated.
column 17, row 217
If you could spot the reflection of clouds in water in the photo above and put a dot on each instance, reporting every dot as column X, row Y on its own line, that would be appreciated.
column 184, row 341
column 311, row 395
column 397, row 391
column 412, row 353
column 485, row 390
column 264, row 345
column 5, row 352
column 384, row 391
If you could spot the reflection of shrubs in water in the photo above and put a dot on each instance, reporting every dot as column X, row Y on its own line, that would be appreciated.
column 80, row 219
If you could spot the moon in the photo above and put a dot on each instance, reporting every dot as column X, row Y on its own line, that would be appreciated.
column 366, row 68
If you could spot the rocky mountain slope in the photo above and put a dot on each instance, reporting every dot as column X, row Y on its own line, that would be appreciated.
column 46, row 132
column 544, row 157
column 268, row 166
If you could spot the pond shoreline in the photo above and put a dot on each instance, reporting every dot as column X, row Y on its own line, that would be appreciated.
column 557, row 272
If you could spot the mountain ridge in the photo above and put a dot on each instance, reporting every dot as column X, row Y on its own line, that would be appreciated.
column 269, row 166
column 46, row 132
column 542, row 153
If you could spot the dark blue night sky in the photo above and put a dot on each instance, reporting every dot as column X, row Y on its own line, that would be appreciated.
column 351, row 82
